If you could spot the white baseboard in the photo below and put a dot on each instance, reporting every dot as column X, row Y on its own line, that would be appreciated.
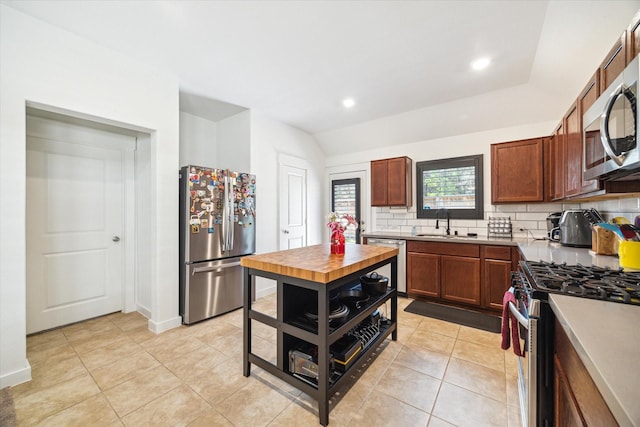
column 159, row 327
column 144, row 311
column 16, row 377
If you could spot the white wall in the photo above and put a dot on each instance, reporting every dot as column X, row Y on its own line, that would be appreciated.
column 198, row 141
column 234, row 141
column 268, row 139
column 50, row 67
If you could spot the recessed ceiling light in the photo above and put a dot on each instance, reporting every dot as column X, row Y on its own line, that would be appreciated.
column 348, row 102
column 480, row 64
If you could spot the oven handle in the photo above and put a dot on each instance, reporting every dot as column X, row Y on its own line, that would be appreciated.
column 521, row 319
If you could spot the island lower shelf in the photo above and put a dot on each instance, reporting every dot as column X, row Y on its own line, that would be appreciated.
column 321, row 358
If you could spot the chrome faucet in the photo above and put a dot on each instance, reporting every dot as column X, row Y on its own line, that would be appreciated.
column 446, row 211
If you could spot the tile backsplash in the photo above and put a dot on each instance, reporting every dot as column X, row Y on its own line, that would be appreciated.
column 530, row 218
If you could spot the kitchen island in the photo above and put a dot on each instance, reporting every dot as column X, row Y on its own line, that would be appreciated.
column 307, row 279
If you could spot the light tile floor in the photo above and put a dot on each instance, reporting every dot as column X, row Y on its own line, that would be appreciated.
column 112, row 371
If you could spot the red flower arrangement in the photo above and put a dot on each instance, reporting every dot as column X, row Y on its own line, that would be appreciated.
column 338, row 223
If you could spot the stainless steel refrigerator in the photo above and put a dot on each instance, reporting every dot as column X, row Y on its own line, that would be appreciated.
column 217, row 228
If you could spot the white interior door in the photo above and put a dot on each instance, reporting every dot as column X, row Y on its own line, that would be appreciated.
column 293, row 207
column 74, row 223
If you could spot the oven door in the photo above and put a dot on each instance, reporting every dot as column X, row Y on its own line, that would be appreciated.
column 527, row 366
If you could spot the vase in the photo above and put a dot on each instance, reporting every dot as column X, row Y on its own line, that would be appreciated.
column 337, row 242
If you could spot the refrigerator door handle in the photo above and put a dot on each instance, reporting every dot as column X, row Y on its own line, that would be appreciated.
column 231, row 215
column 216, row 268
column 225, row 216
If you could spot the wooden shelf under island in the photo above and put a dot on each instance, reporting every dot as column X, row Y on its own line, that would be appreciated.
column 310, row 276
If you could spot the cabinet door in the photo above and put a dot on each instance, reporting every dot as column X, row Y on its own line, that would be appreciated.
column 590, row 403
column 497, row 279
column 573, row 150
column 592, row 147
column 423, row 274
column 633, row 38
column 614, row 62
column 399, row 187
column 566, row 410
column 517, row 171
column 379, row 182
column 460, row 279
column 547, row 168
column 557, row 161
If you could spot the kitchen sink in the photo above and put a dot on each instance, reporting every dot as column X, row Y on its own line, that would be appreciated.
column 445, row 236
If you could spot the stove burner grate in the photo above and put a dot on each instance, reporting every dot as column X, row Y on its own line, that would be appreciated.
column 590, row 282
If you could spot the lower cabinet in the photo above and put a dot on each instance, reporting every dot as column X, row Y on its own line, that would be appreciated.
column 444, row 270
column 577, row 399
column 497, row 264
column 423, row 274
column 460, row 279
column 464, row 273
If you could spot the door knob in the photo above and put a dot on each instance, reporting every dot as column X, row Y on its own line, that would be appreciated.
column 115, row 239
column 285, row 231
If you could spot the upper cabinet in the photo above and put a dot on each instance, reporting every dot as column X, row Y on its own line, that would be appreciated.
column 633, row 38
column 557, row 172
column 574, row 149
column 570, row 151
column 517, row 171
column 614, row 62
column 391, row 182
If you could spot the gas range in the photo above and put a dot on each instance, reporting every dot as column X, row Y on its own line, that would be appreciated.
column 581, row 281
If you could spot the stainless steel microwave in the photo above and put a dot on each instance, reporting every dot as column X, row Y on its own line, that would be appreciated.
column 610, row 125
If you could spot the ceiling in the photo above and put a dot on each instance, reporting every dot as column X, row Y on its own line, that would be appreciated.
column 295, row 61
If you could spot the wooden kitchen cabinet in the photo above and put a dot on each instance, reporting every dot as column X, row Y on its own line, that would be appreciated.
column 446, row 271
column 577, row 153
column 460, row 273
column 558, row 163
column 460, row 279
column 423, row 274
column 391, row 182
column 517, row 171
column 497, row 264
column 633, row 38
column 614, row 62
column 577, row 399
column 573, row 152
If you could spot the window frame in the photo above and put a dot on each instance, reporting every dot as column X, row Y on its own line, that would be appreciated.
column 347, row 181
column 454, row 162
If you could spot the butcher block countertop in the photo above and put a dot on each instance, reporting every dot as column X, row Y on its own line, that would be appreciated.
column 317, row 263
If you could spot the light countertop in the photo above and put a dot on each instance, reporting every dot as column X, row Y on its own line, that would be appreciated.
column 463, row 238
column 606, row 336
column 543, row 250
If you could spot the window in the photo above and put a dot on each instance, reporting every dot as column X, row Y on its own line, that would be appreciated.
column 454, row 184
column 345, row 198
